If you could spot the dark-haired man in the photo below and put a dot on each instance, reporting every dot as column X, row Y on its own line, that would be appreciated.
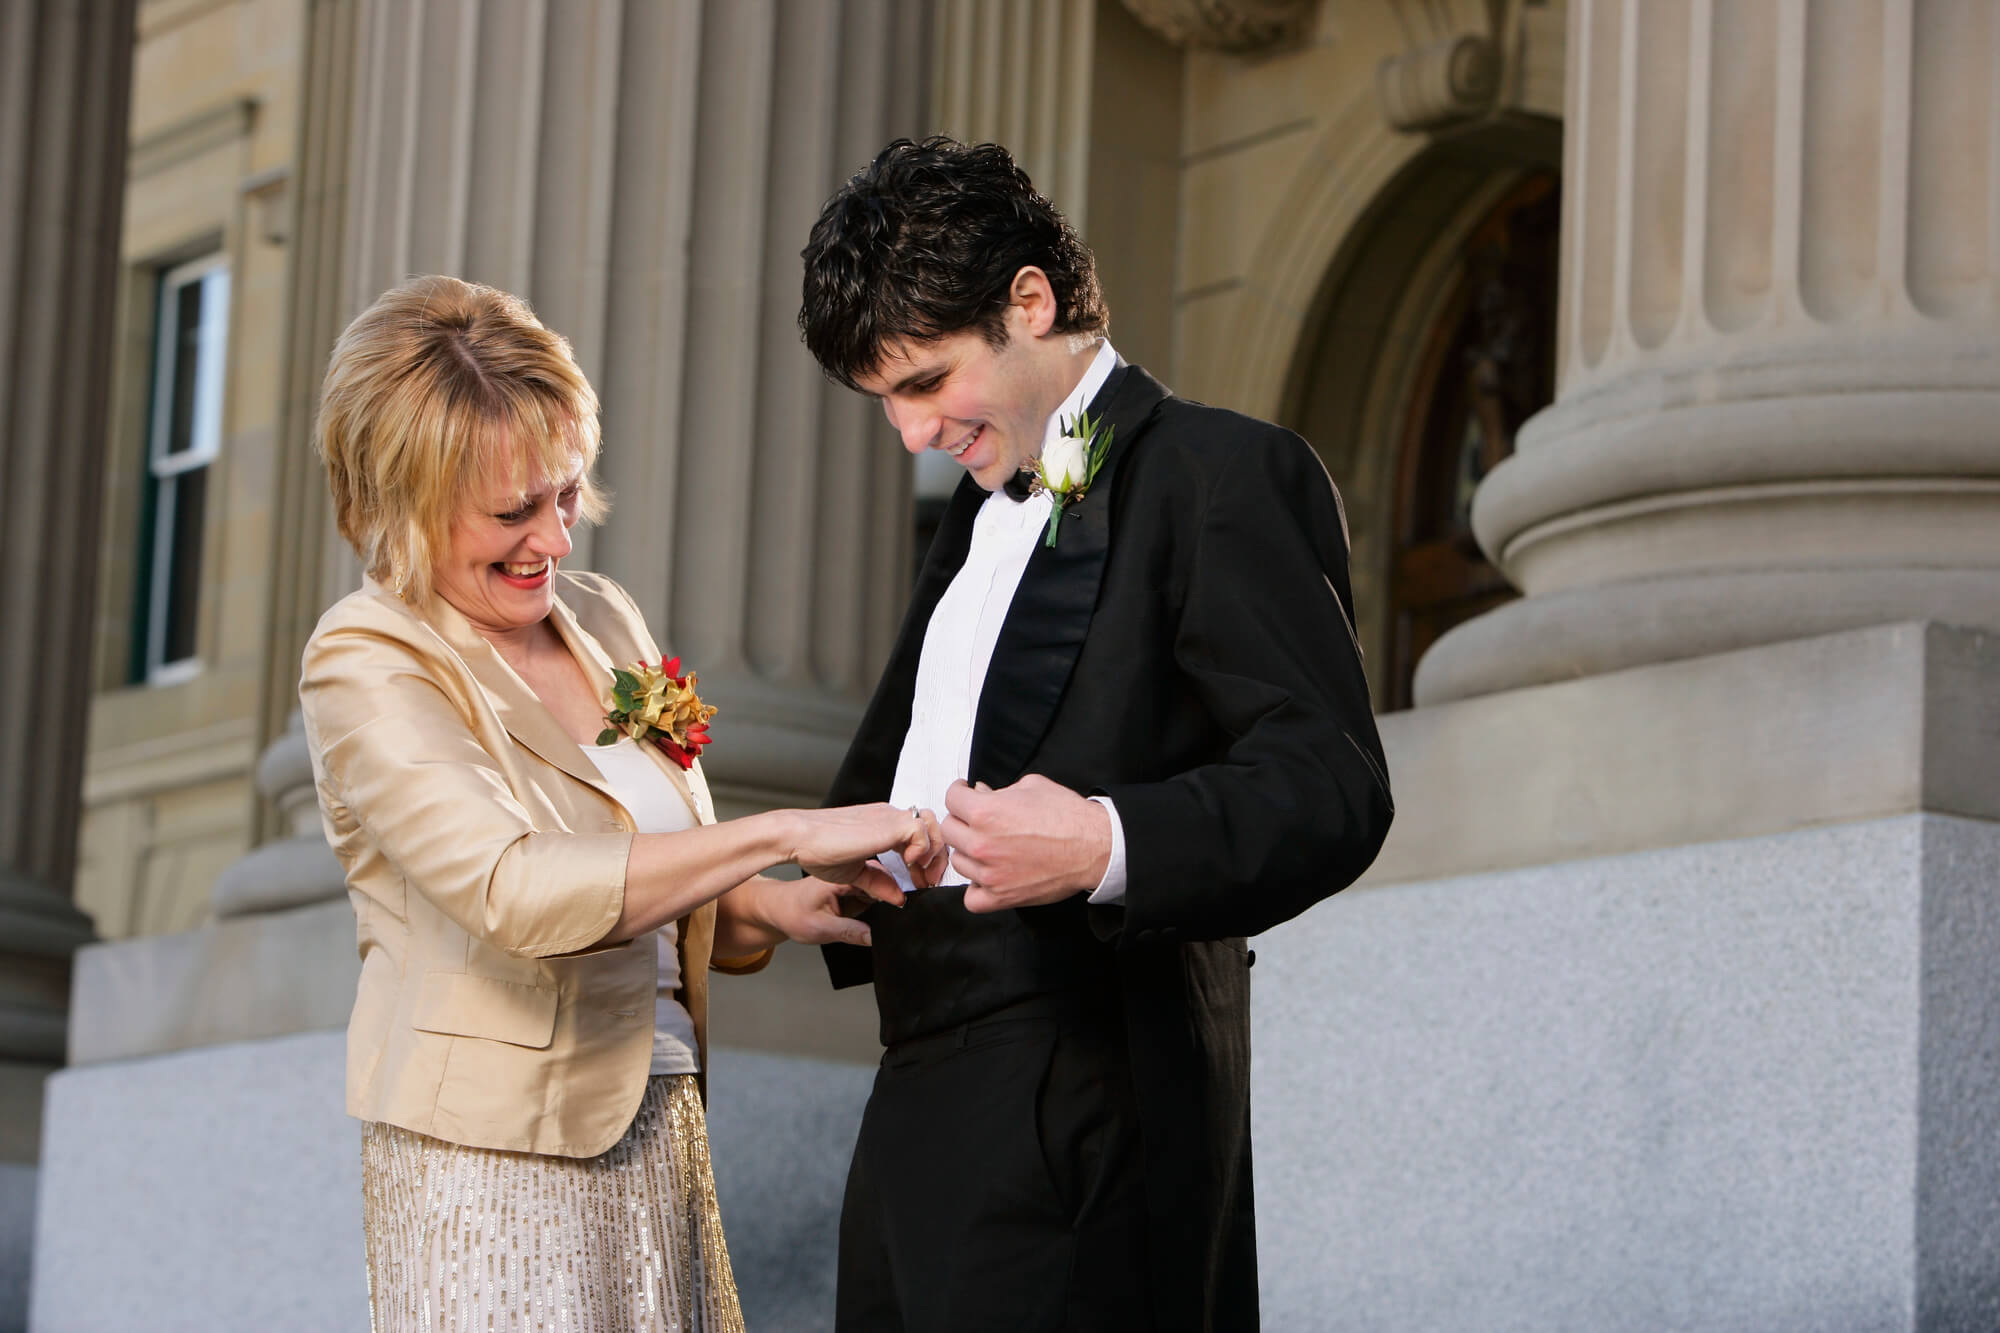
column 1165, row 730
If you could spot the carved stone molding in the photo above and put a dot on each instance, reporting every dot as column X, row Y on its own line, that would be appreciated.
column 1439, row 82
column 1223, row 25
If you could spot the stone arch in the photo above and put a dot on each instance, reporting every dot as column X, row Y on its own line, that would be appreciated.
column 1342, row 291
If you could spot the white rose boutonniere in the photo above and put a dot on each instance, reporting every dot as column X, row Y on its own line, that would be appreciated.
column 1068, row 465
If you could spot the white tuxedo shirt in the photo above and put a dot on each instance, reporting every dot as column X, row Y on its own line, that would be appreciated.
column 958, row 645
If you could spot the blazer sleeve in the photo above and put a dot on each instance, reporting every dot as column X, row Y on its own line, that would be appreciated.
column 402, row 776
column 1298, row 804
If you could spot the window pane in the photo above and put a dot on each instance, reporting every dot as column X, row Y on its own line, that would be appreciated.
column 185, row 494
column 186, row 353
column 214, row 332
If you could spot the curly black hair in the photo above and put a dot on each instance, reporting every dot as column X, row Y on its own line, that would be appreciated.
column 925, row 242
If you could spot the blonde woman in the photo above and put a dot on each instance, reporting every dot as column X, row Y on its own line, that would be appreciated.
column 537, row 914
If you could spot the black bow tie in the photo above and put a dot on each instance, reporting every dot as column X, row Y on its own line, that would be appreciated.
column 1018, row 486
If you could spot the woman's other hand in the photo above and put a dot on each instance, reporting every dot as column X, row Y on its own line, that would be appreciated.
column 813, row 911
column 760, row 913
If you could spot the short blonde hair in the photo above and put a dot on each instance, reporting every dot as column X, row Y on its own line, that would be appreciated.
column 429, row 390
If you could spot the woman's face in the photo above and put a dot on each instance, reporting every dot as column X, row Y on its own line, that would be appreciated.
column 499, row 572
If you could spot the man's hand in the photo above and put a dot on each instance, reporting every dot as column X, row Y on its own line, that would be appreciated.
column 1032, row 843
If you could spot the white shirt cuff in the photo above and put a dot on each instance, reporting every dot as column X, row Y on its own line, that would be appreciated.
column 1110, row 891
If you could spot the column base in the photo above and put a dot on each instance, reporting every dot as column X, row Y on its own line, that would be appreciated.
column 39, row 930
column 1579, row 632
column 1723, row 497
column 1894, row 719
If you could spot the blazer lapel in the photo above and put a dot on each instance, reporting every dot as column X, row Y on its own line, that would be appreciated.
column 1050, row 614
column 527, row 720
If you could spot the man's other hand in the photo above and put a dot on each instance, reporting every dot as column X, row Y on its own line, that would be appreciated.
column 1021, row 846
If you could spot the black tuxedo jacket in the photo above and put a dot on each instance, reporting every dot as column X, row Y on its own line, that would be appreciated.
column 1186, row 648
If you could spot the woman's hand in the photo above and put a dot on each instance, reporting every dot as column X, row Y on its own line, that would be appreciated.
column 838, row 845
column 763, row 912
column 812, row 911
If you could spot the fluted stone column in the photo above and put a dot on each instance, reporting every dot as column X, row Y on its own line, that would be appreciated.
column 1086, row 95
column 65, row 71
column 1780, row 315
column 1020, row 75
column 64, row 76
column 645, row 175
column 316, row 311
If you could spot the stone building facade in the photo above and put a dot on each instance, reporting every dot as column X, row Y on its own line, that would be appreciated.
column 1653, row 347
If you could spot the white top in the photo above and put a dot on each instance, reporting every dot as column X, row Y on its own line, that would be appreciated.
column 648, row 795
column 958, row 646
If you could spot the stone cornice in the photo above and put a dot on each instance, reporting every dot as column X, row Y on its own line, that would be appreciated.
column 1222, row 25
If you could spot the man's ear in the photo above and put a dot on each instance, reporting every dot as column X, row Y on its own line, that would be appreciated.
column 1033, row 300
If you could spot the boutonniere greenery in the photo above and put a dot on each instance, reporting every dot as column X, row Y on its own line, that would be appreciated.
column 1069, row 464
column 655, row 702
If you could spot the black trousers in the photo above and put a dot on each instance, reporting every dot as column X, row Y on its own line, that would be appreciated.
column 996, row 1182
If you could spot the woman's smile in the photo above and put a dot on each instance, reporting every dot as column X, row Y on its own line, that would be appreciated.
column 526, row 575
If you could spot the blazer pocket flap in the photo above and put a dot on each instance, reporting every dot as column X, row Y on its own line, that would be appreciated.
column 460, row 1005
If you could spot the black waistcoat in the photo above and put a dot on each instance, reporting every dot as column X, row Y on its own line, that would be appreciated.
column 938, row 965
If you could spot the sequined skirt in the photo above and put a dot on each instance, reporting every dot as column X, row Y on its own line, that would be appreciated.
column 473, row 1238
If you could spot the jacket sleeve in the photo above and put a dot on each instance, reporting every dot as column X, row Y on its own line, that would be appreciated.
column 402, row 777
column 1298, row 804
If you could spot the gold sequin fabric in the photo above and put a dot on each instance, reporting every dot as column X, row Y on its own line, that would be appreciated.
column 629, row 1241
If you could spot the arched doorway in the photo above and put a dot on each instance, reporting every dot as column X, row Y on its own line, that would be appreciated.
column 1487, row 365
column 1433, row 339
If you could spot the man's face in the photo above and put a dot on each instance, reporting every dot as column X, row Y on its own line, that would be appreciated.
column 985, row 406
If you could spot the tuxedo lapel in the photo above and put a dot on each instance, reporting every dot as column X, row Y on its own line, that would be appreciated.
column 1050, row 615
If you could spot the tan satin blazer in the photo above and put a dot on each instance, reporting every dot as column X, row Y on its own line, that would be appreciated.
column 485, row 858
